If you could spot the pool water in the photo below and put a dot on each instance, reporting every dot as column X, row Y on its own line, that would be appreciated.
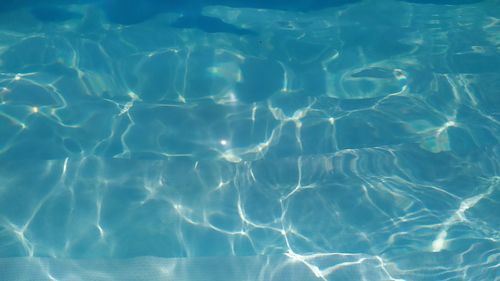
column 260, row 140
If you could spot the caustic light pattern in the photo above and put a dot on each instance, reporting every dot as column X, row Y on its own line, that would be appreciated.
column 352, row 141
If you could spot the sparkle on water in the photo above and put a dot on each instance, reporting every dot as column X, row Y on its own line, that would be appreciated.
column 233, row 140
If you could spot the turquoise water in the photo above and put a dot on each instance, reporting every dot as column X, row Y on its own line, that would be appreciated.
column 264, row 140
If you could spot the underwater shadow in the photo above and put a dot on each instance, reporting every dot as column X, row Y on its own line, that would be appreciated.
column 128, row 12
